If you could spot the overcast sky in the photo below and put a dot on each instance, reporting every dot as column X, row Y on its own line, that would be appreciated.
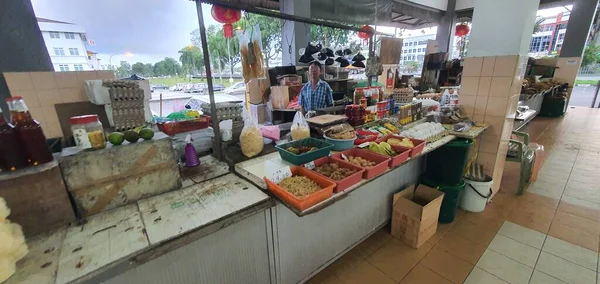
column 149, row 29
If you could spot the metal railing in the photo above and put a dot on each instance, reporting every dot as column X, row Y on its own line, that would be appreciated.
column 593, row 69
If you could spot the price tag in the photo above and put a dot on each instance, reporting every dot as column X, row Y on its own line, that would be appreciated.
column 277, row 175
column 310, row 165
column 344, row 157
column 363, row 145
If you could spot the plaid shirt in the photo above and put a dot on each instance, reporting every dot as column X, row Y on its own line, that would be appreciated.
column 320, row 97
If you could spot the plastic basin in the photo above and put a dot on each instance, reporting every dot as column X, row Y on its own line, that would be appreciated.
column 307, row 201
column 382, row 161
column 340, row 144
column 322, row 151
column 344, row 183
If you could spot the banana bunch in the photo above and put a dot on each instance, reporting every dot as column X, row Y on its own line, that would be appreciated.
column 391, row 127
column 381, row 130
column 382, row 148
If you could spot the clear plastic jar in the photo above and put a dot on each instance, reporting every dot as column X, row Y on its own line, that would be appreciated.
column 88, row 132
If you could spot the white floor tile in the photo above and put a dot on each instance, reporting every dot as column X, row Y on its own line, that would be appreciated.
column 522, row 234
column 547, row 193
column 479, row 276
column 580, row 202
column 504, row 268
column 543, row 278
column 564, row 270
column 574, row 253
column 516, row 250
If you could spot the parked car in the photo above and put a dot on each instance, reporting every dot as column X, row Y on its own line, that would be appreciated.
column 238, row 88
column 194, row 89
column 218, row 87
column 159, row 87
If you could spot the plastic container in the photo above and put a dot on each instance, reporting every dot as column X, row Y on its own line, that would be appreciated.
column 12, row 156
column 401, row 157
column 307, row 201
column 446, row 165
column 367, row 136
column 174, row 127
column 30, row 133
column 343, row 184
column 476, row 194
column 323, row 150
column 382, row 161
column 88, row 132
column 419, row 145
column 451, row 199
column 340, row 144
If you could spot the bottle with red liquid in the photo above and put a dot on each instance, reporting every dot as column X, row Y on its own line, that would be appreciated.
column 29, row 132
column 12, row 156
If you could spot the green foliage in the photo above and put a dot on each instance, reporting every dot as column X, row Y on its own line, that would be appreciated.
column 217, row 46
column 167, row 67
column 411, row 66
column 124, row 70
column 334, row 38
column 144, row 70
column 591, row 54
column 270, row 32
column 191, row 59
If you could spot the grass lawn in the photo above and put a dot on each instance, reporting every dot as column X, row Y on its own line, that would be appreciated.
column 174, row 80
column 588, row 82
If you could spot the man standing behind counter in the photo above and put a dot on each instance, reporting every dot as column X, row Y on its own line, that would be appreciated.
column 315, row 94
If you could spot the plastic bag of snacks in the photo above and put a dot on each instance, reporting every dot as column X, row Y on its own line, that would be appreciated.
column 299, row 127
column 251, row 139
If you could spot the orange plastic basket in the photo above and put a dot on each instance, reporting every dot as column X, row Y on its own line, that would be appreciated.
column 306, row 202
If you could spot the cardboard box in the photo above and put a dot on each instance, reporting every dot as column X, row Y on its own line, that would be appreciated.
column 390, row 51
column 415, row 214
column 259, row 112
column 255, row 90
column 282, row 95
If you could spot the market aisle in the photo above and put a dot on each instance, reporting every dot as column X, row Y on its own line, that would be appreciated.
column 551, row 234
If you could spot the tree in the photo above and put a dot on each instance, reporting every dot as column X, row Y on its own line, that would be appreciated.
column 334, row 38
column 124, row 70
column 149, row 70
column 167, row 67
column 270, row 33
column 591, row 55
column 191, row 59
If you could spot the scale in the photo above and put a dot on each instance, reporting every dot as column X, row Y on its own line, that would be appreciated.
column 322, row 123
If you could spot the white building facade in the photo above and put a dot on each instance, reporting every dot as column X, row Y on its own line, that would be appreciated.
column 414, row 47
column 66, row 44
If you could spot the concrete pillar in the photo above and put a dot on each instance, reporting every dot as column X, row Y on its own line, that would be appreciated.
column 578, row 29
column 445, row 30
column 22, row 47
column 295, row 35
column 493, row 72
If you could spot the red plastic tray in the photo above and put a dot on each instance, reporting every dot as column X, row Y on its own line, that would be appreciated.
column 344, row 183
column 419, row 144
column 306, row 202
column 382, row 161
column 370, row 136
column 174, row 127
column 402, row 156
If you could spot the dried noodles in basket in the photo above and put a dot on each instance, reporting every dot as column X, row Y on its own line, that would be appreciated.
column 251, row 54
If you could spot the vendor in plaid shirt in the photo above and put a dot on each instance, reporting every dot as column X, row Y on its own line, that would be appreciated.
column 315, row 94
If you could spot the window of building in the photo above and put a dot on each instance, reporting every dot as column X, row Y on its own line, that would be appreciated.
column 63, row 67
column 410, row 44
column 70, row 35
column 73, row 51
column 406, row 44
column 561, row 36
column 562, row 26
column 539, row 44
column 59, row 51
column 78, row 67
column 414, row 50
column 54, row 35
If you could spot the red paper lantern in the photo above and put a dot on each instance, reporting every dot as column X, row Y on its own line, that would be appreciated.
column 227, row 17
column 365, row 32
column 462, row 30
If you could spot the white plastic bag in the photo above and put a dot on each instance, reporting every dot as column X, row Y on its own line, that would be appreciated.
column 299, row 127
column 251, row 139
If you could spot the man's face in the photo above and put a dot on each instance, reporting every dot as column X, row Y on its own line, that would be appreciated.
column 314, row 71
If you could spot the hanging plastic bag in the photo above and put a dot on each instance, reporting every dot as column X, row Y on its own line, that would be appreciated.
column 251, row 53
column 251, row 139
column 299, row 127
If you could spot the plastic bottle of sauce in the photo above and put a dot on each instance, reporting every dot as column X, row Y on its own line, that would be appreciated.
column 11, row 153
column 29, row 132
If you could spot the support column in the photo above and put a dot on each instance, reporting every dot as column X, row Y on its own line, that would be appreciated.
column 295, row 35
column 22, row 48
column 492, row 75
column 578, row 29
column 445, row 30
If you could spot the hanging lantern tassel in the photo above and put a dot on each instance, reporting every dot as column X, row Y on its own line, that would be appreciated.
column 462, row 30
column 365, row 33
column 228, row 30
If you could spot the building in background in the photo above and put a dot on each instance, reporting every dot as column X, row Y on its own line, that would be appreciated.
column 66, row 44
column 414, row 47
column 94, row 60
column 549, row 38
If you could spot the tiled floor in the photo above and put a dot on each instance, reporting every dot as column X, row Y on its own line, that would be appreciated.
column 551, row 234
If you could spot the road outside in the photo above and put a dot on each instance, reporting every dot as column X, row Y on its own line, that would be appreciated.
column 175, row 101
column 583, row 95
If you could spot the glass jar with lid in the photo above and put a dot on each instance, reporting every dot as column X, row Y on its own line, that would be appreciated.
column 88, row 132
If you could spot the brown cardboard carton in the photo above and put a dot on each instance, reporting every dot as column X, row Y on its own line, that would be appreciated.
column 415, row 214
column 391, row 49
column 255, row 90
column 282, row 95
column 259, row 113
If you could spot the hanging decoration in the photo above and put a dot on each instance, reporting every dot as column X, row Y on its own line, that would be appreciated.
column 462, row 30
column 227, row 17
column 366, row 32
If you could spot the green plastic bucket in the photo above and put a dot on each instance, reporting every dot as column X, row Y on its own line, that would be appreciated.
column 446, row 165
column 452, row 194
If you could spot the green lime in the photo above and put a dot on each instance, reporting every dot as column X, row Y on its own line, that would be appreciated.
column 146, row 133
column 116, row 138
column 131, row 136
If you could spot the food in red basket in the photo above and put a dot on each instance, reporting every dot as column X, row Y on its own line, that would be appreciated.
column 404, row 142
column 361, row 162
column 299, row 186
column 334, row 171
